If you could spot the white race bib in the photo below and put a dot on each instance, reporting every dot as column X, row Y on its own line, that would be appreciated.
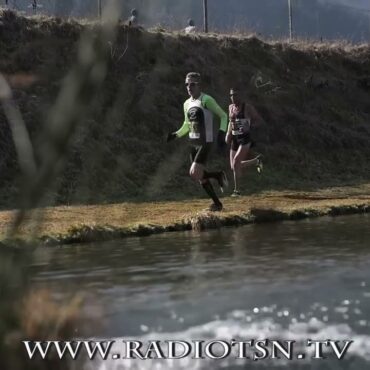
column 241, row 126
column 194, row 135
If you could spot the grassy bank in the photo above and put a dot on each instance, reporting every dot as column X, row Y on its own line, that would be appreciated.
column 78, row 224
column 313, row 97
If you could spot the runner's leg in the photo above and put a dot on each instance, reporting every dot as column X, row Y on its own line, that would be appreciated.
column 240, row 155
column 197, row 173
column 232, row 156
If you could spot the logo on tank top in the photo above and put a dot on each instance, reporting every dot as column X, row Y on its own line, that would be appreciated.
column 196, row 119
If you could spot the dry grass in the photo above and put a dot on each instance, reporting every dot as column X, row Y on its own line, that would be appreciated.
column 306, row 93
column 313, row 97
column 60, row 221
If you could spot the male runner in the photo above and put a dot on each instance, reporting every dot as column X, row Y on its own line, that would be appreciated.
column 198, row 123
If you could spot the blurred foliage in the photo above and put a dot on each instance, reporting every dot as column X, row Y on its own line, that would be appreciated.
column 27, row 314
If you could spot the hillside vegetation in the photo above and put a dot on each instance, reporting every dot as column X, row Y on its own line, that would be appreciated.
column 314, row 99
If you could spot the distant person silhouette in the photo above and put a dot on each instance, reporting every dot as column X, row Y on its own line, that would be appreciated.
column 133, row 20
column 35, row 5
column 191, row 27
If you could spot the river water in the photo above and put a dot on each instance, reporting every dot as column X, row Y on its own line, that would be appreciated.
column 296, row 281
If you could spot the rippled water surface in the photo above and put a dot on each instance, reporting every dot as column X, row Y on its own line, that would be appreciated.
column 292, row 280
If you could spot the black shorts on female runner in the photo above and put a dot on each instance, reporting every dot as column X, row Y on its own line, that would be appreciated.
column 236, row 141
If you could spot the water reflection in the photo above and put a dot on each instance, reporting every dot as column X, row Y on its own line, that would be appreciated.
column 301, row 277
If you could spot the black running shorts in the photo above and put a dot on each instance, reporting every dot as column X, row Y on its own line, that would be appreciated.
column 199, row 154
column 236, row 141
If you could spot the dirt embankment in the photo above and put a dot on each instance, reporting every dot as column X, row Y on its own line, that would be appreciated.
column 314, row 99
column 83, row 224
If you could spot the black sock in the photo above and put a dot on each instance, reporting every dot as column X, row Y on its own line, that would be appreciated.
column 207, row 186
column 211, row 175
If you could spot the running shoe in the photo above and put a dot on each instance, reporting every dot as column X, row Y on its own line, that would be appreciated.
column 235, row 194
column 223, row 182
column 215, row 207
